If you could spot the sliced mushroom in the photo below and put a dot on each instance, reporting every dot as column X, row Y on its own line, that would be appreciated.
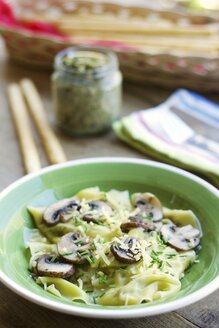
column 61, row 211
column 181, row 238
column 149, row 206
column 137, row 222
column 96, row 211
column 127, row 250
column 48, row 265
column 74, row 248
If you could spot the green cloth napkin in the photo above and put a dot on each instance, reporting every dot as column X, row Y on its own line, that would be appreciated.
column 131, row 130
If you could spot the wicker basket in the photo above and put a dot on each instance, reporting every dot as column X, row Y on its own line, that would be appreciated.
column 169, row 67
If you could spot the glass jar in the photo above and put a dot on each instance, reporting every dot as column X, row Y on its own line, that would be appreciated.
column 86, row 89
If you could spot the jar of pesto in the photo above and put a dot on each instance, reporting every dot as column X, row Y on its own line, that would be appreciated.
column 86, row 88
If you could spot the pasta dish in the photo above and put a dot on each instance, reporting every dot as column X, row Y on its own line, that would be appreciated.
column 110, row 248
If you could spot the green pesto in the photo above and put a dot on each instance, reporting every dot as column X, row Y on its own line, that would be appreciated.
column 87, row 93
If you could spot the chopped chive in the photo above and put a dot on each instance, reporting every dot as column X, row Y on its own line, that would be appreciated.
column 77, row 221
column 66, row 254
column 77, row 242
column 160, row 264
column 154, row 255
column 54, row 257
column 103, row 280
column 117, row 247
column 169, row 256
column 112, row 286
column 155, row 258
column 151, row 264
column 89, row 259
column 96, row 221
column 169, row 265
column 102, row 294
column 94, row 244
column 80, row 254
column 160, row 241
column 148, row 216
column 94, row 299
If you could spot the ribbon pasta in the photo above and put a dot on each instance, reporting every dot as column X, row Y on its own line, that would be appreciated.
column 105, row 278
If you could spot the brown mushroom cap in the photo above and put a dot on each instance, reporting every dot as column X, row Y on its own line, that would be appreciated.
column 96, row 211
column 49, row 266
column 181, row 238
column 137, row 222
column 149, row 206
column 61, row 211
column 74, row 248
column 127, row 250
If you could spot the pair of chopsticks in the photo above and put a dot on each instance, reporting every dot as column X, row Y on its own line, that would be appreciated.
column 25, row 102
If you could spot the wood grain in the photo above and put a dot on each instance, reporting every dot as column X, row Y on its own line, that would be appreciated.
column 205, row 313
column 16, row 312
column 19, row 313
column 22, row 124
column 51, row 143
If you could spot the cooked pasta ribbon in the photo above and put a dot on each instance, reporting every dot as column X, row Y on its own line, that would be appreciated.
column 111, row 249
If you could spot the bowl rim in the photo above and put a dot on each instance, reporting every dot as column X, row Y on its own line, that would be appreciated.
column 100, row 312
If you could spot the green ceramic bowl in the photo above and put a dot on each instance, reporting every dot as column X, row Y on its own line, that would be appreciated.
column 176, row 188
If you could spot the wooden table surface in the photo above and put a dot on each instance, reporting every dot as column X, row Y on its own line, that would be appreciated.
column 17, row 312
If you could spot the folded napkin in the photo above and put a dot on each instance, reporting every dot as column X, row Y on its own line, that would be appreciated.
column 9, row 19
column 182, row 131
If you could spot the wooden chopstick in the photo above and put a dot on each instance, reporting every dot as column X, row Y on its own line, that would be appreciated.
column 51, row 143
column 21, row 120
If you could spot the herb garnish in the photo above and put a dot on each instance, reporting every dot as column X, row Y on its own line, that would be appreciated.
column 54, row 257
column 66, row 254
column 90, row 259
column 85, row 252
column 103, row 280
column 94, row 220
column 169, row 256
column 159, row 240
column 94, row 297
column 169, row 265
column 155, row 259
column 78, row 221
